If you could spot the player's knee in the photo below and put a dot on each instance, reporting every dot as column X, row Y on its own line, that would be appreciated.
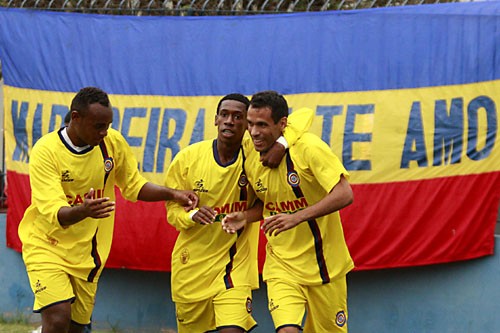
column 56, row 318
column 55, row 325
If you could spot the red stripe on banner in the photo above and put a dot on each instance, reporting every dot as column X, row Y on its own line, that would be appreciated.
column 422, row 222
column 143, row 239
column 19, row 198
column 389, row 225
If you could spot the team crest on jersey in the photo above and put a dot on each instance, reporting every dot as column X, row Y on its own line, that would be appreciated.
column 108, row 164
column 243, row 181
column 249, row 305
column 340, row 319
column 184, row 256
column 293, row 178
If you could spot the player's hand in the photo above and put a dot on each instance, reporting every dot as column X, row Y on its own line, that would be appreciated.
column 276, row 224
column 233, row 222
column 97, row 208
column 205, row 215
column 272, row 158
column 187, row 199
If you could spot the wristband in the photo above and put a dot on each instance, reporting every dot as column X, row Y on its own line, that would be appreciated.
column 191, row 213
column 283, row 141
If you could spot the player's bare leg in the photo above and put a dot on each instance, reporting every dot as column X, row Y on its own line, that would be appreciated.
column 56, row 318
column 288, row 329
column 231, row 330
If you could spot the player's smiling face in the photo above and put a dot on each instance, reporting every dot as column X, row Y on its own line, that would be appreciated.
column 263, row 129
column 231, row 121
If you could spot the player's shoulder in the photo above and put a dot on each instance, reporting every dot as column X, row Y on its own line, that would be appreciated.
column 310, row 143
column 310, row 138
column 197, row 148
column 47, row 141
column 114, row 134
column 115, row 138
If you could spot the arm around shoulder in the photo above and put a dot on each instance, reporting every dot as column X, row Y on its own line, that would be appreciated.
column 299, row 122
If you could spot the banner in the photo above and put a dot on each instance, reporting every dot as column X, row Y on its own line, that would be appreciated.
column 413, row 117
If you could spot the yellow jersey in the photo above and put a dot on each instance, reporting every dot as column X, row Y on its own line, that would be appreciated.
column 206, row 260
column 313, row 252
column 60, row 176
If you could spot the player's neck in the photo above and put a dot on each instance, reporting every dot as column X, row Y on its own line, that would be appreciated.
column 226, row 151
column 71, row 138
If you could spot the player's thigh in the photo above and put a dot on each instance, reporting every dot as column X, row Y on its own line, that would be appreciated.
column 286, row 303
column 233, row 308
column 327, row 307
column 50, row 286
column 195, row 316
column 82, row 307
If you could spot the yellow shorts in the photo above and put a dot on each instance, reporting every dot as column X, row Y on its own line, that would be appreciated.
column 230, row 308
column 52, row 286
column 326, row 305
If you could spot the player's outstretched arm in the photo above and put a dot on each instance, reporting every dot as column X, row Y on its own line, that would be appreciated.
column 153, row 192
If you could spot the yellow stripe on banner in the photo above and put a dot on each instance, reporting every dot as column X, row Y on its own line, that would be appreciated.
column 410, row 134
column 381, row 136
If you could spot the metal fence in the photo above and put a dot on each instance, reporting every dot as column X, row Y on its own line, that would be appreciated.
column 206, row 7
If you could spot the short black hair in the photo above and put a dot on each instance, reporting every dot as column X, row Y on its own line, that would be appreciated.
column 234, row 97
column 272, row 99
column 87, row 96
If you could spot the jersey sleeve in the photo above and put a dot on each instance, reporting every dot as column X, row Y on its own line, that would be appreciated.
column 324, row 164
column 299, row 122
column 128, row 178
column 45, row 180
column 177, row 174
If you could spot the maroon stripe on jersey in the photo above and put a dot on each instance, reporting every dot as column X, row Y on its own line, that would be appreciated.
column 97, row 260
column 313, row 225
column 243, row 193
column 105, row 156
column 228, row 281
column 318, row 246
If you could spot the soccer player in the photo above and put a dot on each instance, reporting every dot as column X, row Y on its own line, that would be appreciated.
column 213, row 272
column 307, row 258
column 67, row 230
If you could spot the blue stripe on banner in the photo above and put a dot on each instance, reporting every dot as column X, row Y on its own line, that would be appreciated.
column 359, row 50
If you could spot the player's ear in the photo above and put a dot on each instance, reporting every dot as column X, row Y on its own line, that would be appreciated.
column 215, row 120
column 282, row 123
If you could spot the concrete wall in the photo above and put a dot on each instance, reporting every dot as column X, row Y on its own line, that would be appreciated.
column 451, row 298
